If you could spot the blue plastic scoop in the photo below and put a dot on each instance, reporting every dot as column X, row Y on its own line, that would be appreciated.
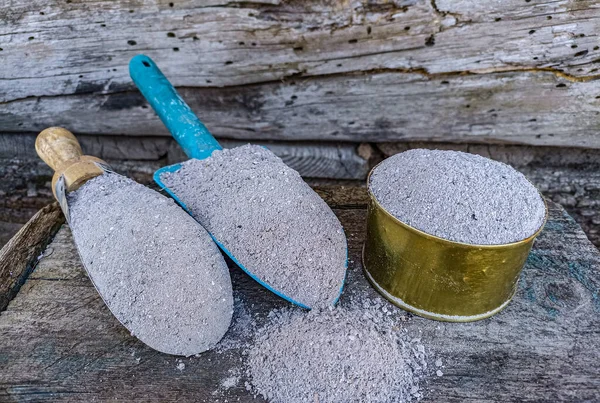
column 312, row 270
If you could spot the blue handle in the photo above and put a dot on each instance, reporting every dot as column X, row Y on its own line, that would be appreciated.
column 184, row 125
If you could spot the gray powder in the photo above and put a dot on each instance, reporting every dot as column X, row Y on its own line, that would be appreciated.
column 241, row 331
column 355, row 354
column 458, row 196
column 271, row 221
column 157, row 269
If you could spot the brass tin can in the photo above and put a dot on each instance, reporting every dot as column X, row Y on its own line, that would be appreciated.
column 437, row 278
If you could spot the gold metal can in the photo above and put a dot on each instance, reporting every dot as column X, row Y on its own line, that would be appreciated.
column 437, row 278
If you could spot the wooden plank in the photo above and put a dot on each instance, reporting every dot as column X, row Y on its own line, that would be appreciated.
column 20, row 254
column 58, row 342
column 536, row 108
column 360, row 71
column 250, row 42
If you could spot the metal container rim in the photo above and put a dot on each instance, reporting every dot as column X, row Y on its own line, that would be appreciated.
column 456, row 243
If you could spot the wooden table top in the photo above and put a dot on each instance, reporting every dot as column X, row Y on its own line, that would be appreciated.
column 58, row 341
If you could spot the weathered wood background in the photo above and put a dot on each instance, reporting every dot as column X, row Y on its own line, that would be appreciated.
column 519, row 70
column 326, row 82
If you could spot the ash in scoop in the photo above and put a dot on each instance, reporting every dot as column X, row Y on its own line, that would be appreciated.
column 458, row 196
column 269, row 219
column 157, row 269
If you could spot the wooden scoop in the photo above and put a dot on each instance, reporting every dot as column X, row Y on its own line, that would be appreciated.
column 155, row 267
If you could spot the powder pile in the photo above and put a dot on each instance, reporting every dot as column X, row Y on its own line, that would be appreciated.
column 458, row 196
column 269, row 219
column 355, row 354
column 157, row 269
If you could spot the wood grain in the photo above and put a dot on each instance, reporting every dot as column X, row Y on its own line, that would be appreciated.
column 536, row 108
column 58, row 342
column 512, row 71
column 20, row 254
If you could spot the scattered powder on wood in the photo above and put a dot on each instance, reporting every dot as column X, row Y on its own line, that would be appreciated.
column 156, row 268
column 241, row 331
column 355, row 354
column 270, row 220
column 458, row 196
column 230, row 382
column 227, row 385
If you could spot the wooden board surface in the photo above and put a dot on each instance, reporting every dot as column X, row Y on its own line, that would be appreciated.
column 19, row 255
column 58, row 342
column 512, row 71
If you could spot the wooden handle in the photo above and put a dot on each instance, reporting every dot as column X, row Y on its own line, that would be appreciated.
column 59, row 148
